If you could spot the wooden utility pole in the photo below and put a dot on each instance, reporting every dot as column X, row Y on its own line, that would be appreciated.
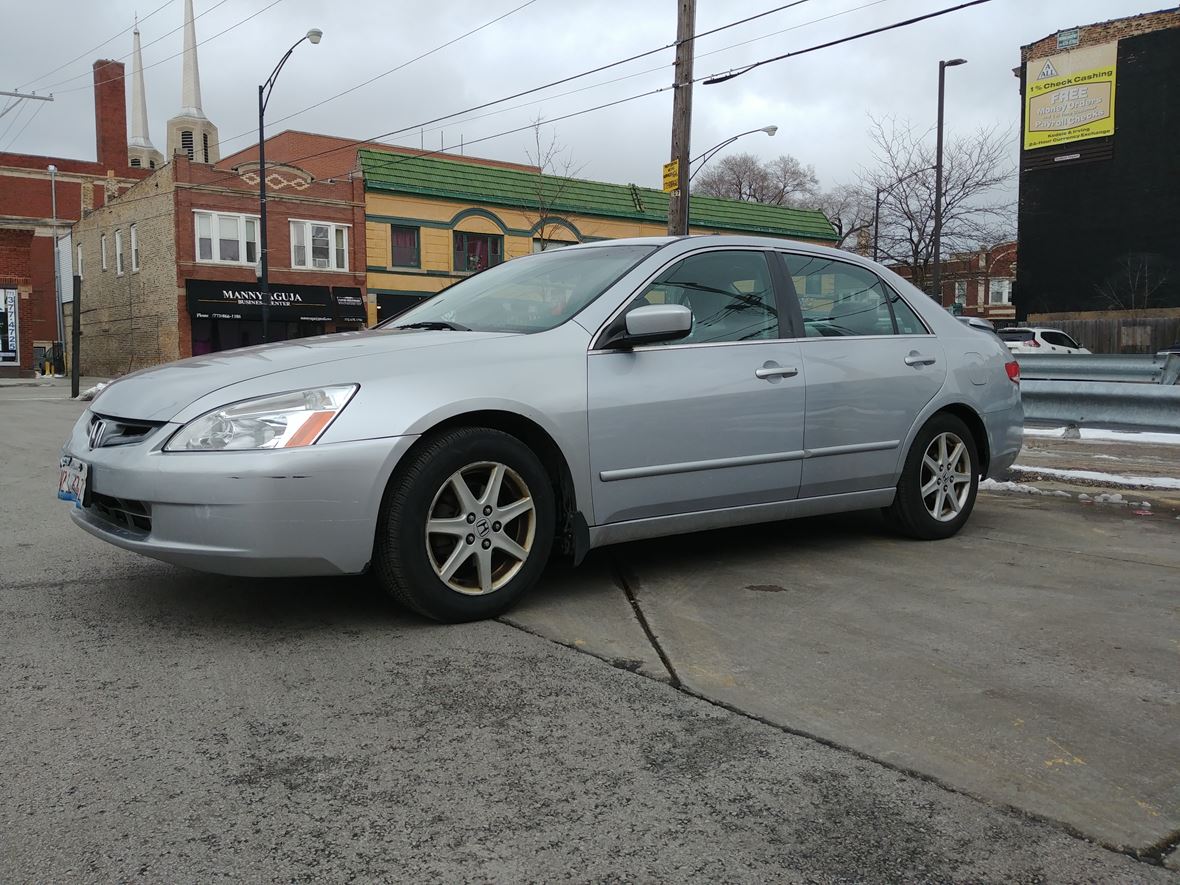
column 682, row 114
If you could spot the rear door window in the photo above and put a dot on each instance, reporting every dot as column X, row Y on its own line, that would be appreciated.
column 839, row 299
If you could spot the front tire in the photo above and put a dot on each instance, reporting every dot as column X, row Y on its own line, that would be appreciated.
column 466, row 526
column 939, row 482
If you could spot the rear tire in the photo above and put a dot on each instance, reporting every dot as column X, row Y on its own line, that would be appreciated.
column 939, row 482
column 466, row 526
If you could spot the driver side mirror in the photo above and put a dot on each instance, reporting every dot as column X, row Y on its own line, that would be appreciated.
column 650, row 324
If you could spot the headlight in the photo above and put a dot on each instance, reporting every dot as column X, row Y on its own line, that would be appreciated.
column 284, row 421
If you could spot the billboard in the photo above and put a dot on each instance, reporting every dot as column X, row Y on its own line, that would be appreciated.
column 1070, row 96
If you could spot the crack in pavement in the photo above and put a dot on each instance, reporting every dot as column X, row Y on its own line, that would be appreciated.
column 1152, row 855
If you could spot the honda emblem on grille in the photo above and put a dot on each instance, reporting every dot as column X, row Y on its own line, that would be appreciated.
column 97, row 430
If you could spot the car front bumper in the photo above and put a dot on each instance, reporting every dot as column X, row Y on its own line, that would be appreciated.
column 284, row 512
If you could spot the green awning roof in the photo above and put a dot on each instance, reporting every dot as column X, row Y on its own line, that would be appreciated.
column 473, row 183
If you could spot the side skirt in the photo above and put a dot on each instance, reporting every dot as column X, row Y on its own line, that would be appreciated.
column 705, row 520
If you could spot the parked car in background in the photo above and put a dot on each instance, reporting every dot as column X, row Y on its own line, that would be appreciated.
column 584, row 396
column 1035, row 339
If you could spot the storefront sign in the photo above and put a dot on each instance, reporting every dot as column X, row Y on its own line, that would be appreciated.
column 350, row 305
column 9, row 328
column 243, row 301
column 1070, row 96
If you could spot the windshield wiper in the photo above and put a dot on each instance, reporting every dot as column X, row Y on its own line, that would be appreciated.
column 436, row 325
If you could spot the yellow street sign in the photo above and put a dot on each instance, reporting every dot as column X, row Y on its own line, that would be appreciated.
column 672, row 175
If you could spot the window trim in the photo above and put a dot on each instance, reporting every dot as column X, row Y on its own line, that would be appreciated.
column 332, row 227
column 102, row 245
column 417, row 245
column 134, row 249
column 119, row 253
column 213, row 214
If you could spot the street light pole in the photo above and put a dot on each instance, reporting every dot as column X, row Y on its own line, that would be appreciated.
column 937, row 272
column 712, row 152
column 313, row 36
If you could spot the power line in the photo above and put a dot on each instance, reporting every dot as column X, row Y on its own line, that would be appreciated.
column 40, row 107
column 721, row 78
column 177, row 54
column 95, row 48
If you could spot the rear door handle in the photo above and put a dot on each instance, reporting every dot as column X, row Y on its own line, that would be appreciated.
column 916, row 359
column 776, row 372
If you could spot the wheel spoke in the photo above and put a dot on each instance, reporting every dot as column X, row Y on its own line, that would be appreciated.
column 463, row 492
column 930, row 486
column 456, row 526
column 939, row 501
column 956, row 452
column 952, row 500
column 942, row 449
column 483, row 562
column 930, row 463
column 516, row 508
column 458, row 556
column 960, row 478
column 510, row 547
column 491, row 494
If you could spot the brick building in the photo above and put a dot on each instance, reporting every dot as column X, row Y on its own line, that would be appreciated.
column 170, row 269
column 978, row 283
column 28, row 302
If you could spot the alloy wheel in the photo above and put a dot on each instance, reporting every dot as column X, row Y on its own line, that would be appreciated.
column 480, row 528
column 945, row 477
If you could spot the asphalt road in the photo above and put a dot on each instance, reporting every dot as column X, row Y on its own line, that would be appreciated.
column 164, row 725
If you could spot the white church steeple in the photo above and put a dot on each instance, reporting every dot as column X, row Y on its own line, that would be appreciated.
column 190, row 132
column 140, row 150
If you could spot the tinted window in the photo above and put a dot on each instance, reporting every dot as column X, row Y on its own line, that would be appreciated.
column 907, row 321
column 1016, row 334
column 729, row 293
column 841, row 299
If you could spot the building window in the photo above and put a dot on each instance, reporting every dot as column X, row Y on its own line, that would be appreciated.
column 999, row 292
column 134, row 249
column 319, row 245
column 475, row 252
column 205, row 144
column 134, row 162
column 79, row 260
column 961, row 293
column 226, row 238
column 186, row 142
column 119, row 252
column 102, row 249
column 405, row 247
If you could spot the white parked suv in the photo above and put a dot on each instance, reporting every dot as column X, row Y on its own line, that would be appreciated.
column 1034, row 339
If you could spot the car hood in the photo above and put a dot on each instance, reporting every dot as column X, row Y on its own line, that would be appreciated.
column 159, row 393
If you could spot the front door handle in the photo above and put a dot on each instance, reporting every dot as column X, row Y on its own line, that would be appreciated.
column 916, row 359
column 771, row 370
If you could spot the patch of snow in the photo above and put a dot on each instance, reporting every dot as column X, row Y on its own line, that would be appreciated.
column 1116, row 479
column 1098, row 434
column 91, row 392
column 991, row 485
column 1084, row 497
column 1110, row 499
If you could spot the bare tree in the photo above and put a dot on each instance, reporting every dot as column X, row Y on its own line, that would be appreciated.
column 783, row 181
column 849, row 207
column 975, row 167
column 555, row 172
column 1136, row 279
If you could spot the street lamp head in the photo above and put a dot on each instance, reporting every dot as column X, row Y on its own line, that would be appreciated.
column 51, row 168
column 314, row 35
column 769, row 130
column 953, row 62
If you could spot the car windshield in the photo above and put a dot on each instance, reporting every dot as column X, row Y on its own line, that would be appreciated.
column 533, row 293
column 1016, row 334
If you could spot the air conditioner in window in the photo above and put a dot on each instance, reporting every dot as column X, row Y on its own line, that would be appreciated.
column 321, row 262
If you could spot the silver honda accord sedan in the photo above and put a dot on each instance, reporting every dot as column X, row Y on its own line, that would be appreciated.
column 599, row 393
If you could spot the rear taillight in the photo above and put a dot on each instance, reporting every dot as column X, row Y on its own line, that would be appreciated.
column 1013, row 369
column 1031, row 342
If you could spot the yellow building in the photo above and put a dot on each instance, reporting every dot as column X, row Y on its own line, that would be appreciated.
column 430, row 221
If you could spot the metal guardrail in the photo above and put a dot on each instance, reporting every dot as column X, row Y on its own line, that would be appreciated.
column 1160, row 368
column 1155, row 406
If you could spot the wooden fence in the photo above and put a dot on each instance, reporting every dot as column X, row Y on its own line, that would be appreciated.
column 1117, row 331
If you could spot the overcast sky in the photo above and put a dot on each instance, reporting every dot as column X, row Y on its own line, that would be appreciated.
column 820, row 101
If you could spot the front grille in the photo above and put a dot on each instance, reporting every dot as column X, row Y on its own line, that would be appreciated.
column 106, row 431
column 133, row 516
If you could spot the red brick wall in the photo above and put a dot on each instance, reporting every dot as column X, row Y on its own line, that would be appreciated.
column 1106, row 32
column 15, row 247
column 110, row 115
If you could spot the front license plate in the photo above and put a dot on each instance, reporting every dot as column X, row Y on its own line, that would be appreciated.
column 71, row 483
